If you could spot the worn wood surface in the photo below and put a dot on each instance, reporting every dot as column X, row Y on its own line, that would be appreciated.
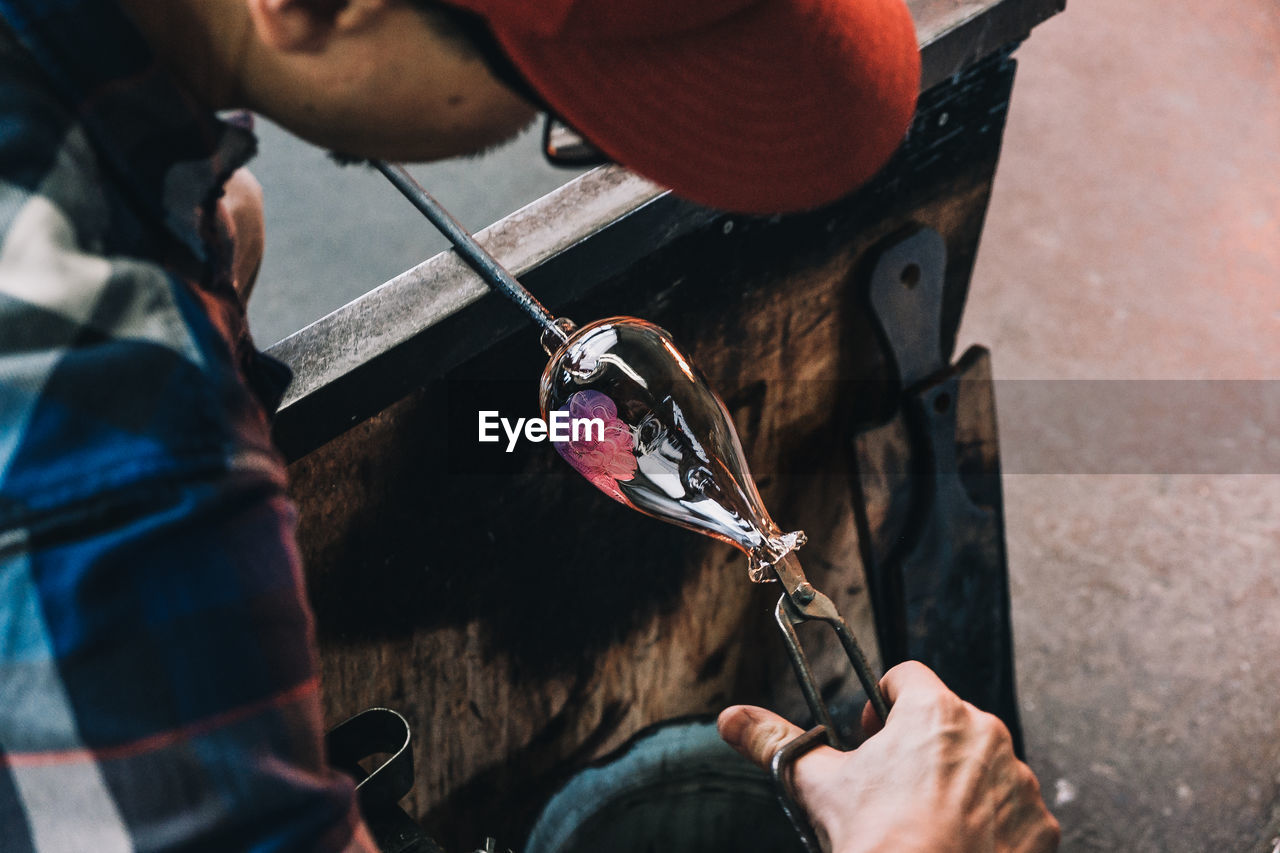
column 525, row 624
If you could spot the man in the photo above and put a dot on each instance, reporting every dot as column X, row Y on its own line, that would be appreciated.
column 157, row 666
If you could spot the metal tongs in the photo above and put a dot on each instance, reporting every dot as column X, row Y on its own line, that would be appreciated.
column 799, row 603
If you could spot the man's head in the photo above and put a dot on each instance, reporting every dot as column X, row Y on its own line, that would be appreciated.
column 375, row 78
column 751, row 105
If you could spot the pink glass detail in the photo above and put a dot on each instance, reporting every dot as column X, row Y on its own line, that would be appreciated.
column 604, row 462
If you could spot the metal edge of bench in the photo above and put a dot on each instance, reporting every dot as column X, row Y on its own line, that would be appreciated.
column 443, row 285
column 351, row 363
column 955, row 34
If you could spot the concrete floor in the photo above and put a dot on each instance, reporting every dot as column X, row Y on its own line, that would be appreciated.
column 1134, row 235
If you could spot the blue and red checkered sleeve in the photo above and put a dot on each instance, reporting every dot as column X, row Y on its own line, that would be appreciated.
column 158, row 674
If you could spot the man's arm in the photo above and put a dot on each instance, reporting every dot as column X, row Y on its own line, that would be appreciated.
column 939, row 775
column 158, row 675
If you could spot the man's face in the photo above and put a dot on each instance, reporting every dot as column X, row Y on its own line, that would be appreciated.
column 376, row 78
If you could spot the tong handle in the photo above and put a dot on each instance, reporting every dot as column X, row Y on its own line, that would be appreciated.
column 819, row 608
column 780, row 768
column 806, row 604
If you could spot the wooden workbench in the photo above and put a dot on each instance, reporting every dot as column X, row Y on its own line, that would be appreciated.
column 523, row 623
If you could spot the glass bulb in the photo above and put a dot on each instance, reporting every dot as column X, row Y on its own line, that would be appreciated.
column 668, row 446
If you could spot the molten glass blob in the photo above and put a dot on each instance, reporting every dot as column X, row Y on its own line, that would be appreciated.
column 653, row 435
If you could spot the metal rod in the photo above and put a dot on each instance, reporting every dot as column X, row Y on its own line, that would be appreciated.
column 486, row 265
column 870, row 684
column 786, row 616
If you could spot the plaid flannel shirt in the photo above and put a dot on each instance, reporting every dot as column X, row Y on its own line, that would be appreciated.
column 158, row 678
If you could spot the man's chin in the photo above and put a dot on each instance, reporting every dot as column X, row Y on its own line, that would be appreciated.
column 425, row 147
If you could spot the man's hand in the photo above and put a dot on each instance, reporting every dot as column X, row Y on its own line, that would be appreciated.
column 940, row 775
column 240, row 214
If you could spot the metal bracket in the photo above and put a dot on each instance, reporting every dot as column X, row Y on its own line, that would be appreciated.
column 906, row 297
column 934, row 553
column 374, row 732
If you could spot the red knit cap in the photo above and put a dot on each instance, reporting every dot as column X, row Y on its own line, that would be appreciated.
column 755, row 106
